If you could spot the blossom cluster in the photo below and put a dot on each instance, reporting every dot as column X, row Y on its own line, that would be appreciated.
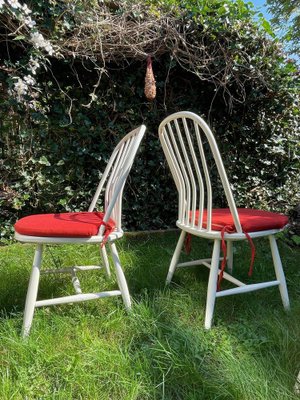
column 39, row 42
column 23, row 85
column 22, row 13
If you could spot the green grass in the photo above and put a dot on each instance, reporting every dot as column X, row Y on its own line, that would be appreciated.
column 95, row 350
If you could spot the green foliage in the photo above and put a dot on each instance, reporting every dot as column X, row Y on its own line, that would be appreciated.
column 52, row 155
column 287, row 19
column 296, row 239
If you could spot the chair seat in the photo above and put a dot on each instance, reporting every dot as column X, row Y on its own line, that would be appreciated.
column 73, row 224
column 251, row 220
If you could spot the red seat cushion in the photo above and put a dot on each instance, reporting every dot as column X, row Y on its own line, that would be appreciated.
column 74, row 224
column 251, row 220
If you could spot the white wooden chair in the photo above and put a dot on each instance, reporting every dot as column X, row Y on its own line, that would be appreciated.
column 189, row 144
column 89, row 227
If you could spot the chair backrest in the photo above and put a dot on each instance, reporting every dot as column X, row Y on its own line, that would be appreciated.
column 115, row 175
column 189, row 144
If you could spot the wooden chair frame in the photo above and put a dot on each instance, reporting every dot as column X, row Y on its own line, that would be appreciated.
column 181, row 135
column 114, row 177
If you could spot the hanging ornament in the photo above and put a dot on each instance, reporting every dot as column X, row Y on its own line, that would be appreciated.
column 150, row 86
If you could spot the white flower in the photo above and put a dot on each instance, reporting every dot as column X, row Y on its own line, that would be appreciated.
column 29, row 22
column 26, row 10
column 29, row 80
column 37, row 40
column 49, row 49
column 33, row 65
column 14, row 3
column 20, row 88
column 226, row 8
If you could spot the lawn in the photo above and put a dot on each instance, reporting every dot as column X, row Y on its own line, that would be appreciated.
column 95, row 350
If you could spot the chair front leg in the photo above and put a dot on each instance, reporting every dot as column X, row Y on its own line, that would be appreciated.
column 105, row 261
column 212, row 285
column 120, row 277
column 175, row 257
column 279, row 273
column 32, row 290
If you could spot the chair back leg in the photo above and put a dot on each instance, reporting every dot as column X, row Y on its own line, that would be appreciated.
column 32, row 290
column 297, row 385
column 229, row 245
column 175, row 257
column 212, row 284
column 279, row 273
column 121, row 277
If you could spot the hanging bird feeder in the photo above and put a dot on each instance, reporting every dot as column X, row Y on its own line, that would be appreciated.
column 150, row 85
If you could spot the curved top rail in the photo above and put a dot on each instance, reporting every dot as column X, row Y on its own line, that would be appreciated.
column 182, row 136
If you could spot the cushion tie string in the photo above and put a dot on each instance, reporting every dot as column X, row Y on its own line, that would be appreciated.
column 188, row 244
column 225, row 229
column 106, row 233
column 253, row 251
column 224, row 250
column 228, row 229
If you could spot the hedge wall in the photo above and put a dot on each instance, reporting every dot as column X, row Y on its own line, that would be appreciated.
column 50, row 162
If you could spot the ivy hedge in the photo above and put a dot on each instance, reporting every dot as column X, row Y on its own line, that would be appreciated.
column 52, row 154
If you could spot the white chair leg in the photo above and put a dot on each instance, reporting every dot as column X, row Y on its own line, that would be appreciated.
column 297, row 385
column 105, row 261
column 279, row 273
column 212, row 285
column 229, row 245
column 32, row 290
column 121, row 277
column 175, row 257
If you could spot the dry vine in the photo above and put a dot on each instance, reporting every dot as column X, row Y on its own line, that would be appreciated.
column 134, row 33
column 120, row 33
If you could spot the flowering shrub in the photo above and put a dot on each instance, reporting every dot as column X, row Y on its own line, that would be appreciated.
column 72, row 83
column 23, row 83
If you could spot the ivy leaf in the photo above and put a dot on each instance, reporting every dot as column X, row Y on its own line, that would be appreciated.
column 44, row 161
column 19, row 37
column 296, row 239
column 267, row 27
